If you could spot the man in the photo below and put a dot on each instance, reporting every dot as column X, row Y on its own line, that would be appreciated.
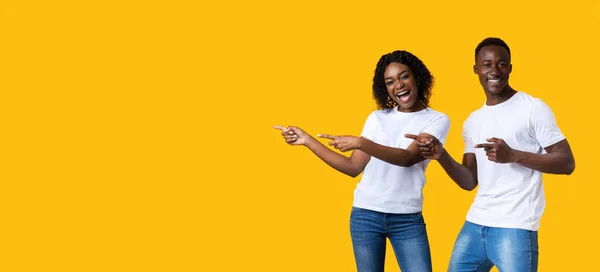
column 509, row 143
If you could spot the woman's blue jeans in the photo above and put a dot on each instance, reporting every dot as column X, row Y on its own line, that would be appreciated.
column 406, row 232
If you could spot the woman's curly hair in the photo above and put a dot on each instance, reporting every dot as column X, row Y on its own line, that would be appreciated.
column 420, row 71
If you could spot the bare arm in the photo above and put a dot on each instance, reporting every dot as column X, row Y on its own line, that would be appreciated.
column 558, row 159
column 464, row 175
column 352, row 166
column 397, row 156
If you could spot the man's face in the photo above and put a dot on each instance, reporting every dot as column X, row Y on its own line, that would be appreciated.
column 493, row 67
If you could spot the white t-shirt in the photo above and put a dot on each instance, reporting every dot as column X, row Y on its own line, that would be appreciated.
column 510, row 195
column 388, row 188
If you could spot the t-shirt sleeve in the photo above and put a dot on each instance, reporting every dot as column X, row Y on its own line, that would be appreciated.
column 467, row 138
column 543, row 125
column 370, row 127
column 438, row 127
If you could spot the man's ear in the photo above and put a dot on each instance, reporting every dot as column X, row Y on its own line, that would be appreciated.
column 475, row 70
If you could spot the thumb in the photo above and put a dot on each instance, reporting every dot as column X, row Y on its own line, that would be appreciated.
column 493, row 140
column 410, row 136
column 294, row 129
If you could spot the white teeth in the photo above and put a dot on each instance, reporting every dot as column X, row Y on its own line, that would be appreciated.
column 402, row 93
column 494, row 80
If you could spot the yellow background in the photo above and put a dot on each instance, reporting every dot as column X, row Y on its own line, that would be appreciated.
column 136, row 136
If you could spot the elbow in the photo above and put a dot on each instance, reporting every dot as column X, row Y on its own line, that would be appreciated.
column 468, row 187
column 353, row 170
column 570, row 168
column 407, row 163
column 354, row 173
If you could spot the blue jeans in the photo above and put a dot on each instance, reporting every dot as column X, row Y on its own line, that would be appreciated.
column 478, row 248
column 407, row 234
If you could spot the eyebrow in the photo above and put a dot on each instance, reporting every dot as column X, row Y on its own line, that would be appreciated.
column 488, row 60
column 401, row 73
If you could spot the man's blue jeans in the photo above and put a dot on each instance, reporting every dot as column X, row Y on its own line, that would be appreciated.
column 407, row 234
column 478, row 248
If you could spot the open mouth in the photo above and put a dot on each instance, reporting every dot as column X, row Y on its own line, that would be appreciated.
column 403, row 95
column 494, row 81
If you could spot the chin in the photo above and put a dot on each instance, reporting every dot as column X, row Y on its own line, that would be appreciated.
column 495, row 90
column 407, row 106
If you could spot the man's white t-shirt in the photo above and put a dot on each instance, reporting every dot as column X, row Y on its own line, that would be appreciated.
column 388, row 188
column 510, row 195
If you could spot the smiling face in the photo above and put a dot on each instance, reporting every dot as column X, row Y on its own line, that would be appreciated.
column 493, row 67
column 401, row 86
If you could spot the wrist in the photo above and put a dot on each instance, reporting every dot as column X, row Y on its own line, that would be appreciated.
column 360, row 143
column 515, row 156
column 310, row 141
column 443, row 154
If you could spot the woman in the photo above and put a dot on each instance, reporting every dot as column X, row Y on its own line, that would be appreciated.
column 388, row 199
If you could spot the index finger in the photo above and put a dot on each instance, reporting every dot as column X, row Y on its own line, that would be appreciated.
column 280, row 127
column 484, row 145
column 327, row 136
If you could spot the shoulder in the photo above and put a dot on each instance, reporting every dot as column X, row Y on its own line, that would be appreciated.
column 533, row 105
column 378, row 116
column 526, row 99
column 435, row 115
column 378, row 113
column 474, row 116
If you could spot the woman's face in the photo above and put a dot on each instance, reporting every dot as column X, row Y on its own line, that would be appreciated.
column 401, row 86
